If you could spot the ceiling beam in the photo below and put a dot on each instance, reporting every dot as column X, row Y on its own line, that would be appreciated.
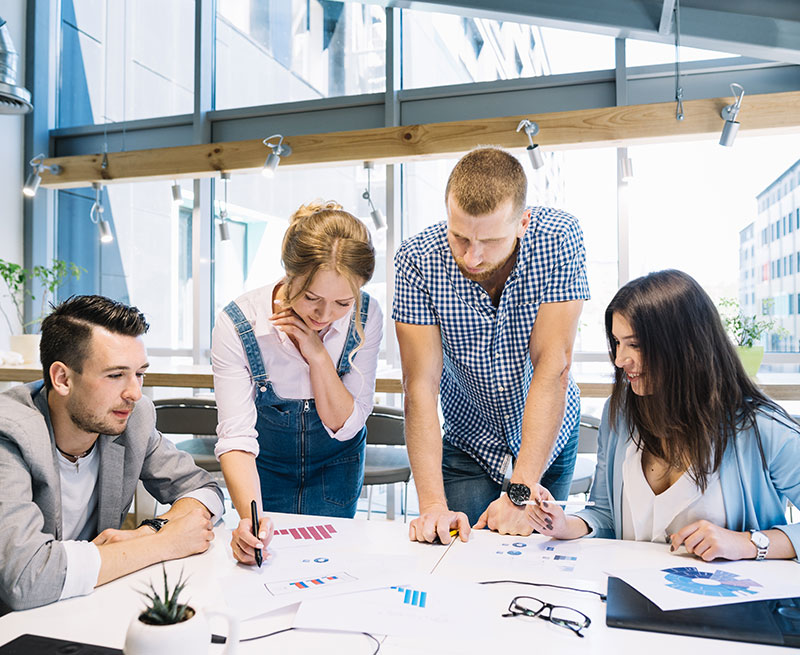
column 773, row 37
column 609, row 126
column 665, row 25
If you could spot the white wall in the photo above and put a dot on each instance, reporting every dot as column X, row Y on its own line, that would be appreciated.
column 12, row 167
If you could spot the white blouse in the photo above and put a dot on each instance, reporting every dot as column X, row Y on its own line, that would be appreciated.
column 288, row 372
column 650, row 517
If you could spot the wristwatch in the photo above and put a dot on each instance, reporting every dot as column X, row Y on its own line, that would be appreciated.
column 157, row 524
column 761, row 542
column 519, row 493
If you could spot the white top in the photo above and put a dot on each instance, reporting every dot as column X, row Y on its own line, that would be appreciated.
column 288, row 372
column 79, row 520
column 649, row 517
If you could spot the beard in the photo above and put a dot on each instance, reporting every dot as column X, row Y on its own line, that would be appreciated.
column 85, row 419
column 478, row 277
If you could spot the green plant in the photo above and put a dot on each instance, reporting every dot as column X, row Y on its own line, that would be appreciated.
column 166, row 610
column 744, row 330
column 16, row 277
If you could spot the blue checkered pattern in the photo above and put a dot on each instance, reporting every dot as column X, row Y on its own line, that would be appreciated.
column 487, row 367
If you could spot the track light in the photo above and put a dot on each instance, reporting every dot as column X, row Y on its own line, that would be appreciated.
column 535, row 154
column 35, row 177
column 374, row 212
column 96, row 214
column 730, row 113
column 279, row 150
column 177, row 195
column 626, row 169
column 224, row 229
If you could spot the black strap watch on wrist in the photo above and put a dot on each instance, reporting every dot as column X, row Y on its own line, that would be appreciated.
column 519, row 493
column 156, row 524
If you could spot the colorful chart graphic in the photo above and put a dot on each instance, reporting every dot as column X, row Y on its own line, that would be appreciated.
column 287, row 586
column 413, row 597
column 704, row 583
column 308, row 532
column 539, row 553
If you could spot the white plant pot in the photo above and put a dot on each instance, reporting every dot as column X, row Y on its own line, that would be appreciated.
column 26, row 345
column 190, row 636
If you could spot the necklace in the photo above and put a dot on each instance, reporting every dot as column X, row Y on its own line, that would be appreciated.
column 74, row 458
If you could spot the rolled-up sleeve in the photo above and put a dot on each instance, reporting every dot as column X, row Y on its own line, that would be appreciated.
column 234, row 391
column 83, row 567
column 360, row 381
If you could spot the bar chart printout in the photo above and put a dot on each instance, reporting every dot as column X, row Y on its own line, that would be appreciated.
column 308, row 533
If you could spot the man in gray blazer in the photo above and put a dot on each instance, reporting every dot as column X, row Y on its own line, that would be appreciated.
column 72, row 449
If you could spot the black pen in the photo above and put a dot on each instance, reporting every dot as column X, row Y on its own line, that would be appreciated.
column 254, row 521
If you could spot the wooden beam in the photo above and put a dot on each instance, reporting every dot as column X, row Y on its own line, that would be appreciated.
column 607, row 126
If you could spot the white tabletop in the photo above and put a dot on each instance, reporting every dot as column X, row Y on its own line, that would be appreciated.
column 103, row 616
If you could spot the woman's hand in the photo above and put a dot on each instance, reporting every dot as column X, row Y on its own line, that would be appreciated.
column 244, row 543
column 708, row 541
column 549, row 518
column 307, row 340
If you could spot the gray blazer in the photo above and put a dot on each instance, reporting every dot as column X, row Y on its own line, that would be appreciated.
column 33, row 563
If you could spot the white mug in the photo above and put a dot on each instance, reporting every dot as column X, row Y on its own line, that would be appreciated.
column 190, row 636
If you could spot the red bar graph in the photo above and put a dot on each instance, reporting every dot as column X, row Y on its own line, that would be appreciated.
column 309, row 532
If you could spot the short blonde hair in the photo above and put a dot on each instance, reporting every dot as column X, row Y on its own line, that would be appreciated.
column 322, row 236
column 486, row 177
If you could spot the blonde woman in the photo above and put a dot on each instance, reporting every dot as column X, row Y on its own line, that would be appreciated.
column 294, row 374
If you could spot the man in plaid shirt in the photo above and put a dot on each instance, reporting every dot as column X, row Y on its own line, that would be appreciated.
column 486, row 308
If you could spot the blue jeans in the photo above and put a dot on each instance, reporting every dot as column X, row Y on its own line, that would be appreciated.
column 470, row 489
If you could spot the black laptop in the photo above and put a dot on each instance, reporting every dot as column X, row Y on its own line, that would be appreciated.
column 40, row 645
column 774, row 622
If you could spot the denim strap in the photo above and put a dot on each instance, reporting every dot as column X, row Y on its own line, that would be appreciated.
column 251, row 348
column 353, row 340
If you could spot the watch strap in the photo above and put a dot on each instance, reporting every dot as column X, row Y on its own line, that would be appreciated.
column 156, row 524
column 761, row 542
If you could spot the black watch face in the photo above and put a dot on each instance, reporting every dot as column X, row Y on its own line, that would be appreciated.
column 519, row 493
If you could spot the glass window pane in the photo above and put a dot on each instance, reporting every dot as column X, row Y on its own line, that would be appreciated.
column 272, row 51
column 467, row 49
column 259, row 215
column 582, row 182
column 125, row 60
column 646, row 53
column 155, row 274
column 718, row 214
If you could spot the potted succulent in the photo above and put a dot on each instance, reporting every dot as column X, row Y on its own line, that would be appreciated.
column 746, row 331
column 168, row 626
column 16, row 277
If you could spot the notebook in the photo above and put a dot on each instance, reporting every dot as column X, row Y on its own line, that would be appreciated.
column 775, row 622
column 38, row 645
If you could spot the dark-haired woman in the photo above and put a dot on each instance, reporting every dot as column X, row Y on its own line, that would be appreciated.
column 690, row 451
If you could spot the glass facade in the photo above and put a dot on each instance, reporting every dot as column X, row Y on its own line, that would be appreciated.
column 123, row 60
column 272, row 51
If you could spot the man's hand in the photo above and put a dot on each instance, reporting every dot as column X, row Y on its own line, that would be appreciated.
column 505, row 517
column 708, row 541
column 436, row 522
column 243, row 543
column 186, row 535
column 112, row 536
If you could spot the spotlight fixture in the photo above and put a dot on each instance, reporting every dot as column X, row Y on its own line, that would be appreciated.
column 96, row 214
column 535, row 154
column 35, row 177
column 177, row 195
column 224, row 229
column 13, row 99
column 279, row 150
column 374, row 212
column 730, row 113
column 626, row 169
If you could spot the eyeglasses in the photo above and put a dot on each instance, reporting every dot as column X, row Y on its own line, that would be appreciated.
column 566, row 617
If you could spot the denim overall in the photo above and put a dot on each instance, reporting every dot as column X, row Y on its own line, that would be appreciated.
column 302, row 469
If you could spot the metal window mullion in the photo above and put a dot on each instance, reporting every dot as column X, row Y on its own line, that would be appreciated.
column 623, row 200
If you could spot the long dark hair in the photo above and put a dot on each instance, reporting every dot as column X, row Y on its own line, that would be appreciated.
column 699, row 394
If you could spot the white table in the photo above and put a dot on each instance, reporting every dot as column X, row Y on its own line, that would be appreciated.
column 103, row 616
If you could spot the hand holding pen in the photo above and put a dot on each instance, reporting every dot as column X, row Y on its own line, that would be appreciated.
column 245, row 542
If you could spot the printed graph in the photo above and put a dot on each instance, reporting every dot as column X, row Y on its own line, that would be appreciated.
column 721, row 584
column 544, row 554
column 413, row 597
column 308, row 532
column 294, row 585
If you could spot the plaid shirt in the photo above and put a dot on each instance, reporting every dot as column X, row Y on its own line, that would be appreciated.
column 487, row 366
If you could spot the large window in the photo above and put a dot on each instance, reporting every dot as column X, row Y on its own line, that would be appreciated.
column 272, row 51
column 123, row 61
column 482, row 50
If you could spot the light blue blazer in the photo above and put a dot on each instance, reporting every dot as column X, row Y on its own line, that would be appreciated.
column 754, row 498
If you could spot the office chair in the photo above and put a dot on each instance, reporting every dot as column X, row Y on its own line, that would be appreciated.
column 387, row 457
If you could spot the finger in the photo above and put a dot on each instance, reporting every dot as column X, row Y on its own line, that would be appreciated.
column 693, row 541
column 482, row 520
column 443, row 530
column 268, row 528
column 412, row 531
column 462, row 524
column 680, row 536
